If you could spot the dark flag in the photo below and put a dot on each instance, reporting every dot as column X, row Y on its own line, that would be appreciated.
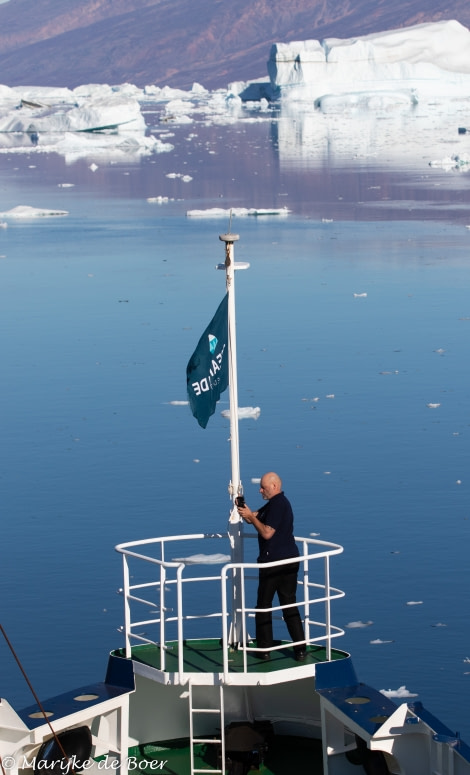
column 207, row 370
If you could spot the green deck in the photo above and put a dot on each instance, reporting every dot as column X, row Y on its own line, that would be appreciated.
column 285, row 754
column 206, row 656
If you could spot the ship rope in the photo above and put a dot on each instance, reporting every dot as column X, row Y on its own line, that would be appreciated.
column 37, row 700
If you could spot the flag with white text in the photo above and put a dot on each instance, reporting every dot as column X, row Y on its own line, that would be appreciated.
column 207, row 370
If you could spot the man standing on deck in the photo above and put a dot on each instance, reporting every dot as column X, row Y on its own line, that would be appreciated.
column 274, row 523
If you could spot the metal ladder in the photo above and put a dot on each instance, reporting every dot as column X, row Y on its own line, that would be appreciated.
column 209, row 741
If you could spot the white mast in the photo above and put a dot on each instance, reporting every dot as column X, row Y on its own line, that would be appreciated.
column 235, row 485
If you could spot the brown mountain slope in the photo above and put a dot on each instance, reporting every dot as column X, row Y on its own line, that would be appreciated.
column 177, row 42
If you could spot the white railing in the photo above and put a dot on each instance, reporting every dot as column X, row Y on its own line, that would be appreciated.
column 163, row 582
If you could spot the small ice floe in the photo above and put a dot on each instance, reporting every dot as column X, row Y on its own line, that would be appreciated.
column 179, row 403
column 196, row 460
column 220, row 212
column 358, row 625
column 440, row 351
column 203, row 559
column 432, row 406
column 439, row 624
column 25, row 211
column 400, row 693
column 184, row 178
column 451, row 162
column 467, row 659
column 65, row 185
column 157, row 199
column 380, row 642
column 415, row 602
column 255, row 480
column 244, row 412
column 330, row 395
column 3, row 225
column 93, row 167
column 360, row 295
column 459, row 481
column 327, row 220
column 314, row 535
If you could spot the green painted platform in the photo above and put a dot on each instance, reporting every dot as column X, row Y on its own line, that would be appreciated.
column 206, row 656
column 285, row 754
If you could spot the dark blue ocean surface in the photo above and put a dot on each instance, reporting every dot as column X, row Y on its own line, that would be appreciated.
column 353, row 339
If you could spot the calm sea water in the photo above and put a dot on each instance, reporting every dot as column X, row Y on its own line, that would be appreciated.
column 353, row 319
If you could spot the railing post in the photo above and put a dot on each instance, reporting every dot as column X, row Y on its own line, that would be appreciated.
column 127, row 608
column 162, row 617
column 327, row 608
column 306, row 594
column 179, row 605
column 223, row 594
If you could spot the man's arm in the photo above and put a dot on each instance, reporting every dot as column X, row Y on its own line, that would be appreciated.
column 265, row 531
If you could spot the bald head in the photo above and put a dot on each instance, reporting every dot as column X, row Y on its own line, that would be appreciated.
column 270, row 485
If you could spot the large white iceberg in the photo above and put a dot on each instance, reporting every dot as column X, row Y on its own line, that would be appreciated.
column 113, row 112
column 426, row 60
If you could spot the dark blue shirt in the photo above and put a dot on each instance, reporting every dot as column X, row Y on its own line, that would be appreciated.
column 277, row 513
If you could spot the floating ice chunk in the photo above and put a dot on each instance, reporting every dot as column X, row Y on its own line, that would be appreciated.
column 25, row 211
column 379, row 642
column 439, row 624
column 203, row 559
column 452, row 162
column 358, row 625
column 401, row 692
column 432, row 406
column 330, row 395
column 179, row 403
column 360, row 295
column 244, row 412
column 220, row 212
column 174, row 175
column 397, row 66
column 415, row 602
column 255, row 480
column 157, row 199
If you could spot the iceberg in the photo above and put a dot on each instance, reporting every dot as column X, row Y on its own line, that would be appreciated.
column 25, row 211
column 418, row 78
column 421, row 61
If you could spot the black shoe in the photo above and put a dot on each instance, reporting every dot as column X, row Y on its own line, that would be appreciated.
column 300, row 655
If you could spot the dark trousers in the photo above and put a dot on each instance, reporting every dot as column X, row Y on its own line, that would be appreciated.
column 283, row 582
